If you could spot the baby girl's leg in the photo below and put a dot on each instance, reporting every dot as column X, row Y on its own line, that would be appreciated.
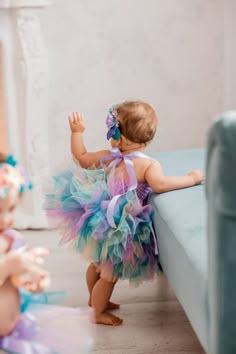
column 92, row 276
column 100, row 296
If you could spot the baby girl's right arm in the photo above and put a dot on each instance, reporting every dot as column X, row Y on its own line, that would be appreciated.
column 160, row 183
column 78, row 148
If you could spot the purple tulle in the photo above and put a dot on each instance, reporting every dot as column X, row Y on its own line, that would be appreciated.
column 103, row 213
column 20, row 340
column 46, row 331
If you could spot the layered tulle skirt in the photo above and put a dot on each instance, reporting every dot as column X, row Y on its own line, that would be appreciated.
column 105, row 221
column 45, row 328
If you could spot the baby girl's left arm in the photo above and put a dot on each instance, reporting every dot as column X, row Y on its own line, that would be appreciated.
column 160, row 183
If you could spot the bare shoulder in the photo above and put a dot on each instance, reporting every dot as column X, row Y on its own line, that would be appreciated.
column 146, row 162
column 142, row 165
column 153, row 167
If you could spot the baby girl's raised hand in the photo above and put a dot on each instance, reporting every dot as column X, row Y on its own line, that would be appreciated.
column 76, row 122
column 197, row 175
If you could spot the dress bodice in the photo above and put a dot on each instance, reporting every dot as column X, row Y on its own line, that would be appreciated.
column 142, row 189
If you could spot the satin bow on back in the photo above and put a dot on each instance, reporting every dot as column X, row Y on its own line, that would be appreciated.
column 116, row 156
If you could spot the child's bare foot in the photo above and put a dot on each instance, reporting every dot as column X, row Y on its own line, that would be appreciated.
column 111, row 305
column 107, row 319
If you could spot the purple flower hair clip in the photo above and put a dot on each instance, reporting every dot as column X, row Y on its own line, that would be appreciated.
column 113, row 124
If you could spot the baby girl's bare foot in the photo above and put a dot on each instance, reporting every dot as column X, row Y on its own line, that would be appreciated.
column 107, row 319
column 111, row 305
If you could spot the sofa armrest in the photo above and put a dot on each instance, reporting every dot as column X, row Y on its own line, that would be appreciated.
column 221, row 195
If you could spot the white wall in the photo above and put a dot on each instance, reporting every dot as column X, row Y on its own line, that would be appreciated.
column 229, row 54
column 169, row 53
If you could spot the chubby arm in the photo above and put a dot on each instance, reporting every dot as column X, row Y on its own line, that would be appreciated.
column 160, row 183
column 78, row 148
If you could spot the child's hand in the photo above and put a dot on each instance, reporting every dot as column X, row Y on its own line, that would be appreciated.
column 76, row 122
column 24, row 269
column 19, row 261
column 197, row 175
column 35, row 280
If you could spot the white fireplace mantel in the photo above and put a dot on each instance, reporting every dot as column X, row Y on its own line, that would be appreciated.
column 25, row 85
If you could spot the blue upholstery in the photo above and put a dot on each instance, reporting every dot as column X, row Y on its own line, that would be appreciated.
column 180, row 224
column 221, row 193
column 197, row 236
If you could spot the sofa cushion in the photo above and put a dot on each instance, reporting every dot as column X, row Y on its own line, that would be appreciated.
column 180, row 225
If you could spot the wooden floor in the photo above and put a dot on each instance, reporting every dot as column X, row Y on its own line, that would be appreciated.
column 154, row 321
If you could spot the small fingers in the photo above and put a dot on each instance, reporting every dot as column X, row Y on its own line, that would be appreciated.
column 34, row 256
column 81, row 117
column 45, row 282
column 39, row 254
column 70, row 119
column 40, row 251
column 39, row 286
column 75, row 117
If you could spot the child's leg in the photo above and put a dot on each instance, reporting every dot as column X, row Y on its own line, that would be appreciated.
column 100, row 297
column 92, row 276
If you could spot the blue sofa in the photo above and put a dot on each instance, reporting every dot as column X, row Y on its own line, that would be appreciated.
column 196, row 231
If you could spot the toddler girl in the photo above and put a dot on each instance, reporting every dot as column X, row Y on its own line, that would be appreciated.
column 102, row 203
column 38, row 331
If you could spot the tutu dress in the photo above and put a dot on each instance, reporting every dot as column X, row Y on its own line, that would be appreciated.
column 44, row 327
column 107, row 217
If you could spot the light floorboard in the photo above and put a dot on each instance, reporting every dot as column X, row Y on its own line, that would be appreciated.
column 154, row 321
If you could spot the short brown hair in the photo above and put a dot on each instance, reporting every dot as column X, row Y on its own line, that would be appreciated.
column 137, row 121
